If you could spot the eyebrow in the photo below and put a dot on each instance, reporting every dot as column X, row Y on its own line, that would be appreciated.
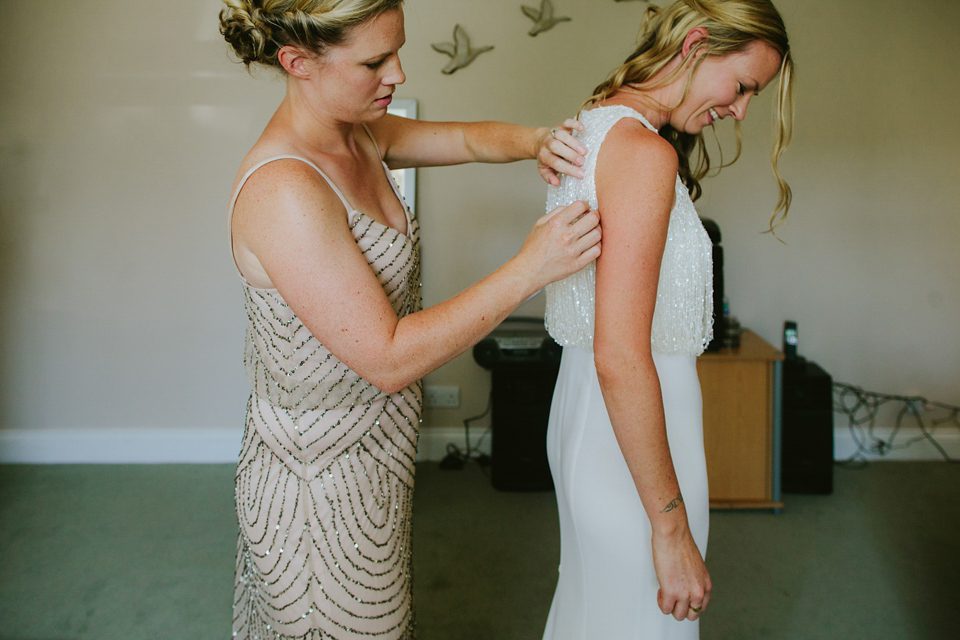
column 755, row 87
column 384, row 55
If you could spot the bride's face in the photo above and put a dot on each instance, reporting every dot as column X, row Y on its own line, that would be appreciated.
column 724, row 85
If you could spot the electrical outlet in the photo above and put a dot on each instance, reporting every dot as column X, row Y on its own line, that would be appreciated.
column 441, row 396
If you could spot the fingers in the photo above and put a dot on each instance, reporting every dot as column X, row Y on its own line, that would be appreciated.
column 680, row 608
column 567, row 214
column 576, row 229
column 589, row 247
column 565, row 134
column 573, row 124
column 685, row 607
column 586, row 229
column 695, row 608
column 562, row 153
column 550, row 176
column 685, row 604
column 703, row 601
column 586, row 225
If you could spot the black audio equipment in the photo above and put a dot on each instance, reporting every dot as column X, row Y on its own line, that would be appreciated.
column 523, row 361
column 807, row 428
column 517, row 340
column 790, row 340
column 719, row 320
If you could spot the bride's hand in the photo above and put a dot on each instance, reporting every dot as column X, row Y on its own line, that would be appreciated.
column 559, row 151
column 684, row 582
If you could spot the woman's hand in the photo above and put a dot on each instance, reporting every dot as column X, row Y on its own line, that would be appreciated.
column 684, row 582
column 559, row 151
column 561, row 243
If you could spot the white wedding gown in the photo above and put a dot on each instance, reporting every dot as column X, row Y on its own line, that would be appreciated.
column 607, row 586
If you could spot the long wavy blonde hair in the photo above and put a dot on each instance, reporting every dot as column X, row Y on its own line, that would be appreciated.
column 731, row 26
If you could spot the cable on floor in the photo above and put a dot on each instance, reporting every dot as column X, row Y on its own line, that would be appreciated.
column 455, row 458
column 862, row 407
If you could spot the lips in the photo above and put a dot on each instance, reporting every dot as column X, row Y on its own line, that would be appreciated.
column 385, row 100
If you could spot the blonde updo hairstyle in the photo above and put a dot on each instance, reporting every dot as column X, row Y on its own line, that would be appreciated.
column 258, row 29
column 731, row 26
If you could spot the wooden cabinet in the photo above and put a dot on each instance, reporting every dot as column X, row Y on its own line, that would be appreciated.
column 741, row 423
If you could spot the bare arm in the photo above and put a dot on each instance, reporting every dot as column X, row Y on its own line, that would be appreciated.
column 418, row 143
column 636, row 172
column 295, row 226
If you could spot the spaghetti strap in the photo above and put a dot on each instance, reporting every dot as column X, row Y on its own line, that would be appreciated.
column 246, row 176
column 373, row 140
column 243, row 181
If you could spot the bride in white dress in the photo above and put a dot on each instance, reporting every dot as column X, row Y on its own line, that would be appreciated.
column 625, row 439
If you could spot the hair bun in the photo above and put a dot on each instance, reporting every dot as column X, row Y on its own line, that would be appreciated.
column 257, row 32
column 244, row 32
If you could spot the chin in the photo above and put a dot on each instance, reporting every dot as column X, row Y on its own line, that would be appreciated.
column 373, row 114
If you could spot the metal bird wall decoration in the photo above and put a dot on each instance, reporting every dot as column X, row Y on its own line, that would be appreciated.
column 460, row 52
column 542, row 19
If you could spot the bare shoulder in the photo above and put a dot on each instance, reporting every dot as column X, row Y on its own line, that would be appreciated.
column 285, row 188
column 631, row 147
column 636, row 174
column 285, row 211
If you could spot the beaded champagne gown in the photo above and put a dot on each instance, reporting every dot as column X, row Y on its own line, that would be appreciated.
column 325, row 478
column 607, row 585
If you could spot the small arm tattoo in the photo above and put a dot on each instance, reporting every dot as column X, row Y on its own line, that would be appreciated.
column 676, row 502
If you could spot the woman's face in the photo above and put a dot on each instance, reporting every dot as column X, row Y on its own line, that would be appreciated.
column 724, row 85
column 356, row 79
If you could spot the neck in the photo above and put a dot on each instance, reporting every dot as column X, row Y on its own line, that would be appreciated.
column 655, row 104
column 646, row 103
column 305, row 117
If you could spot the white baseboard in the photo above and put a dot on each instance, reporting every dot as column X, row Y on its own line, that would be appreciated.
column 119, row 446
column 919, row 448
column 164, row 446
column 434, row 440
column 216, row 446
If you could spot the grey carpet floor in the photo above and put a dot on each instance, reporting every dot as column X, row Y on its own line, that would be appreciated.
column 129, row 552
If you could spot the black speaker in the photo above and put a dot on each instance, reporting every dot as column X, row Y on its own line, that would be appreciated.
column 523, row 361
column 520, row 408
column 719, row 320
column 807, row 428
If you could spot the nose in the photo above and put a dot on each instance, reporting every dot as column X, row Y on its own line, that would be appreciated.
column 396, row 74
column 739, row 108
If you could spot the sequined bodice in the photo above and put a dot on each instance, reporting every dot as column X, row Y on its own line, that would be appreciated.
column 290, row 367
column 287, row 365
column 682, row 319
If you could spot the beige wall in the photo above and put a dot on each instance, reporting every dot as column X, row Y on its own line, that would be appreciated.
column 121, row 125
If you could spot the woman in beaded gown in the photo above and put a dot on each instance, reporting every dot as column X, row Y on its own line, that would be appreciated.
column 624, row 439
column 336, row 340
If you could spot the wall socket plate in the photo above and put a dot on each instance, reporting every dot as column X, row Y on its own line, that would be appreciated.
column 441, row 396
